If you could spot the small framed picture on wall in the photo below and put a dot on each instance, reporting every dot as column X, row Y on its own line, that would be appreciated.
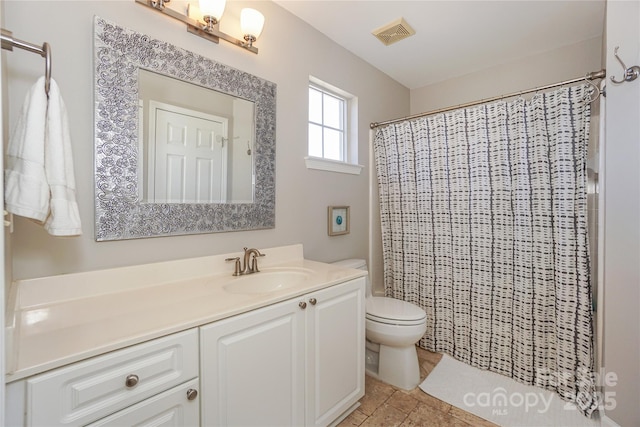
column 338, row 220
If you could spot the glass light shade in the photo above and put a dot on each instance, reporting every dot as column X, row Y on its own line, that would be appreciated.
column 251, row 22
column 213, row 8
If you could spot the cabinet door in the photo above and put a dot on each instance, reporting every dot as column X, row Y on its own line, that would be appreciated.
column 252, row 368
column 178, row 407
column 335, row 351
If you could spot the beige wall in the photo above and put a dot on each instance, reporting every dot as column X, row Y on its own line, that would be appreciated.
column 562, row 64
column 534, row 71
column 621, row 151
column 290, row 51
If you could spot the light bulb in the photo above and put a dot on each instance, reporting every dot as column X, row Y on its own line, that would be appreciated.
column 251, row 22
column 212, row 8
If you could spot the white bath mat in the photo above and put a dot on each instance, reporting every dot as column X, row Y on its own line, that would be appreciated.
column 499, row 399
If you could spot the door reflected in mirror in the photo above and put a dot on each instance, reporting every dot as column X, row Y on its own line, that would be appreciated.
column 196, row 144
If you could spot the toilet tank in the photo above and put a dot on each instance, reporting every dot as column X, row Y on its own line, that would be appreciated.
column 358, row 264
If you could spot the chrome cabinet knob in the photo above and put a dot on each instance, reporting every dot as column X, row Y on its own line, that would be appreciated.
column 313, row 301
column 302, row 305
column 192, row 394
column 131, row 381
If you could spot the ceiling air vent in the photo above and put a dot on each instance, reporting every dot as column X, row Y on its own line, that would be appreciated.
column 394, row 32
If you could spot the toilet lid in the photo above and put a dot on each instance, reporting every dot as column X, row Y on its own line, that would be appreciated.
column 386, row 309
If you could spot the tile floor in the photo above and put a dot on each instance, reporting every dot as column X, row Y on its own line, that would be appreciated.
column 387, row 406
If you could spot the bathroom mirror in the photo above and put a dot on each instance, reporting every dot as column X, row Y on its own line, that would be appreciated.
column 145, row 90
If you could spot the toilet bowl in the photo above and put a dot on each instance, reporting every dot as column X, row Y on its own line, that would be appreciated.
column 393, row 327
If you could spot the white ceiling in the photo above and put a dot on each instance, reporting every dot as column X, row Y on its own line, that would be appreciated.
column 452, row 37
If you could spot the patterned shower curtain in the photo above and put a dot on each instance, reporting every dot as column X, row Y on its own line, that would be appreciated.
column 484, row 225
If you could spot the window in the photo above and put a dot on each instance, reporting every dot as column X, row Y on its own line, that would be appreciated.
column 331, row 143
column 326, row 124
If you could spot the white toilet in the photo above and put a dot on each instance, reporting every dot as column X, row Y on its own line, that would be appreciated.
column 393, row 327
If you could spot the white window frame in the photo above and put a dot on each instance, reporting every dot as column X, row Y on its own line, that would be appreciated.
column 350, row 139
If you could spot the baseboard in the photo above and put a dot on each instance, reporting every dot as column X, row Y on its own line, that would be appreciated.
column 345, row 414
column 608, row 422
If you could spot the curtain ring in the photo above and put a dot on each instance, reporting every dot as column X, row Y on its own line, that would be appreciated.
column 536, row 93
column 596, row 89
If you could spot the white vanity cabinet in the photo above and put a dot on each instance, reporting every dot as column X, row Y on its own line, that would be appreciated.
column 281, row 347
column 147, row 384
column 297, row 362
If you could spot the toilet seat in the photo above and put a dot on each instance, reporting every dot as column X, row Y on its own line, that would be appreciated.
column 394, row 312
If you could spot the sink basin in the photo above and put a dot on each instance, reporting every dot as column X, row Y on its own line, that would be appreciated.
column 266, row 281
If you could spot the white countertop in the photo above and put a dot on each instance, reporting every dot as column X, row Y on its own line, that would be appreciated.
column 64, row 319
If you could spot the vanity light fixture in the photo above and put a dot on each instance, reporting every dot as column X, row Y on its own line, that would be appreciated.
column 251, row 21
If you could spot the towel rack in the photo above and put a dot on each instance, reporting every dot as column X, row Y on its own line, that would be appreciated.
column 8, row 43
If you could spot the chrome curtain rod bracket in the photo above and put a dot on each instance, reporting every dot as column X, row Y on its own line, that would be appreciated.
column 9, row 42
column 594, row 75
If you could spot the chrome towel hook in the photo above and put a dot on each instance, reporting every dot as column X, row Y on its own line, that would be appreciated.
column 630, row 73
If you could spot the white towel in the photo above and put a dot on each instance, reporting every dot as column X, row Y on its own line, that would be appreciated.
column 39, row 179
column 26, row 187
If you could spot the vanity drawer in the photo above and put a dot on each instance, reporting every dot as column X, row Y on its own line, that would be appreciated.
column 173, row 407
column 89, row 390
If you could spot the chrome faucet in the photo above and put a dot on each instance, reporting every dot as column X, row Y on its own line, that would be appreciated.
column 249, row 264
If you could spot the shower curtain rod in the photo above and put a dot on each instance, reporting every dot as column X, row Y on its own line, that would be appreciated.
column 594, row 75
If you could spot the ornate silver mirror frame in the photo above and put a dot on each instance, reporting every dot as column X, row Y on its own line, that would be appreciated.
column 119, row 53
